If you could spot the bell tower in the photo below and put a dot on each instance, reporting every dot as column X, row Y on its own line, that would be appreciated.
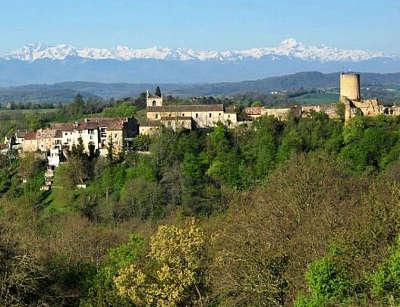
column 153, row 100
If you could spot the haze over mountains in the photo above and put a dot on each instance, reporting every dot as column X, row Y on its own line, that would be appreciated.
column 38, row 63
column 65, row 91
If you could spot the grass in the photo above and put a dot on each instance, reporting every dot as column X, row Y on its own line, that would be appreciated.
column 55, row 203
column 317, row 98
column 25, row 111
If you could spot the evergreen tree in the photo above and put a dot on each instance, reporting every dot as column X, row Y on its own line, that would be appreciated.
column 158, row 91
column 110, row 150
column 77, row 107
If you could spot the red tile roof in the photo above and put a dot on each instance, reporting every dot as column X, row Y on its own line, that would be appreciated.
column 30, row 136
column 110, row 123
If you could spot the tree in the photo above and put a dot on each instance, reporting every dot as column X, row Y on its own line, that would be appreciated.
column 140, row 198
column 103, row 291
column 158, row 91
column 110, row 150
column 173, row 274
column 76, row 108
column 327, row 281
column 385, row 281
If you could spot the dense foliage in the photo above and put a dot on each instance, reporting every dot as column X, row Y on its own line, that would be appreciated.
column 303, row 212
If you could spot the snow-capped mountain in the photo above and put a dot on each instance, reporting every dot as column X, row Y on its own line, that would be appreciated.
column 38, row 63
column 289, row 48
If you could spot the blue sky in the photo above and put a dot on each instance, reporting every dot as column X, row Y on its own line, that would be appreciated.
column 206, row 24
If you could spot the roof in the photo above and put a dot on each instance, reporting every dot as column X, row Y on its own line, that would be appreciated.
column 48, row 133
column 188, row 108
column 30, row 136
column 111, row 123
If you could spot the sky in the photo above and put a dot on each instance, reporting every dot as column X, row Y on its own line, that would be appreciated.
column 201, row 24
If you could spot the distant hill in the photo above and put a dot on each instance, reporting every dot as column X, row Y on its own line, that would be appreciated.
column 64, row 92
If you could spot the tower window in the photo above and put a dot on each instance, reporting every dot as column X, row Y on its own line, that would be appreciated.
column 209, row 115
column 154, row 103
column 197, row 115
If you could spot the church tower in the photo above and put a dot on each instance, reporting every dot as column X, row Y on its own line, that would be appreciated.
column 153, row 100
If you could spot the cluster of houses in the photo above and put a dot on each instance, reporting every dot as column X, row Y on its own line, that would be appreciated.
column 96, row 134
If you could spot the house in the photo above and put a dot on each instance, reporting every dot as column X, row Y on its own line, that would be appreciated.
column 97, row 133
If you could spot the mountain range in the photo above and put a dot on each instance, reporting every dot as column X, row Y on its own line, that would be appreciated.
column 66, row 91
column 38, row 63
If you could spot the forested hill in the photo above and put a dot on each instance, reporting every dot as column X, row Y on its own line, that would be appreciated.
column 64, row 92
column 298, row 213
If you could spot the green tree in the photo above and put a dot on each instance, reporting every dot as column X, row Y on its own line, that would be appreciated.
column 158, row 91
column 102, row 291
column 76, row 108
column 385, row 282
column 328, row 283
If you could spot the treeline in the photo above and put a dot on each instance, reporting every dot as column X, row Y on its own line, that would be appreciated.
column 301, row 212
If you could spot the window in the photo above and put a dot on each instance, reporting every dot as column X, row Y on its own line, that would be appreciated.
column 183, row 114
column 154, row 103
column 229, row 116
column 169, row 123
column 197, row 115
column 219, row 114
column 209, row 115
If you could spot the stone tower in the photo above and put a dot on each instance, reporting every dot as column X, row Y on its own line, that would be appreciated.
column 350, row 87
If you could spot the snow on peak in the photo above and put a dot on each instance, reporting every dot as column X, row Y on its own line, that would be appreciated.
column 288, row 47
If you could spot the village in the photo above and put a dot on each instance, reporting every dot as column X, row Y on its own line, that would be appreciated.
column 97, row 134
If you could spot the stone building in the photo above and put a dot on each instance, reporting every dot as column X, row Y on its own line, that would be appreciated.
column 185, row 116
column 350, row 96
column 279, row 113
column 29, row 143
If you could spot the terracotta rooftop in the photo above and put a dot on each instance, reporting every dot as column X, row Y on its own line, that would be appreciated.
column 188, row 108
column 110, row 123
column 30, row 135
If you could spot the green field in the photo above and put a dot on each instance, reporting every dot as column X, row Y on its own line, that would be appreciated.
column 317, row 98
column 25, row 111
